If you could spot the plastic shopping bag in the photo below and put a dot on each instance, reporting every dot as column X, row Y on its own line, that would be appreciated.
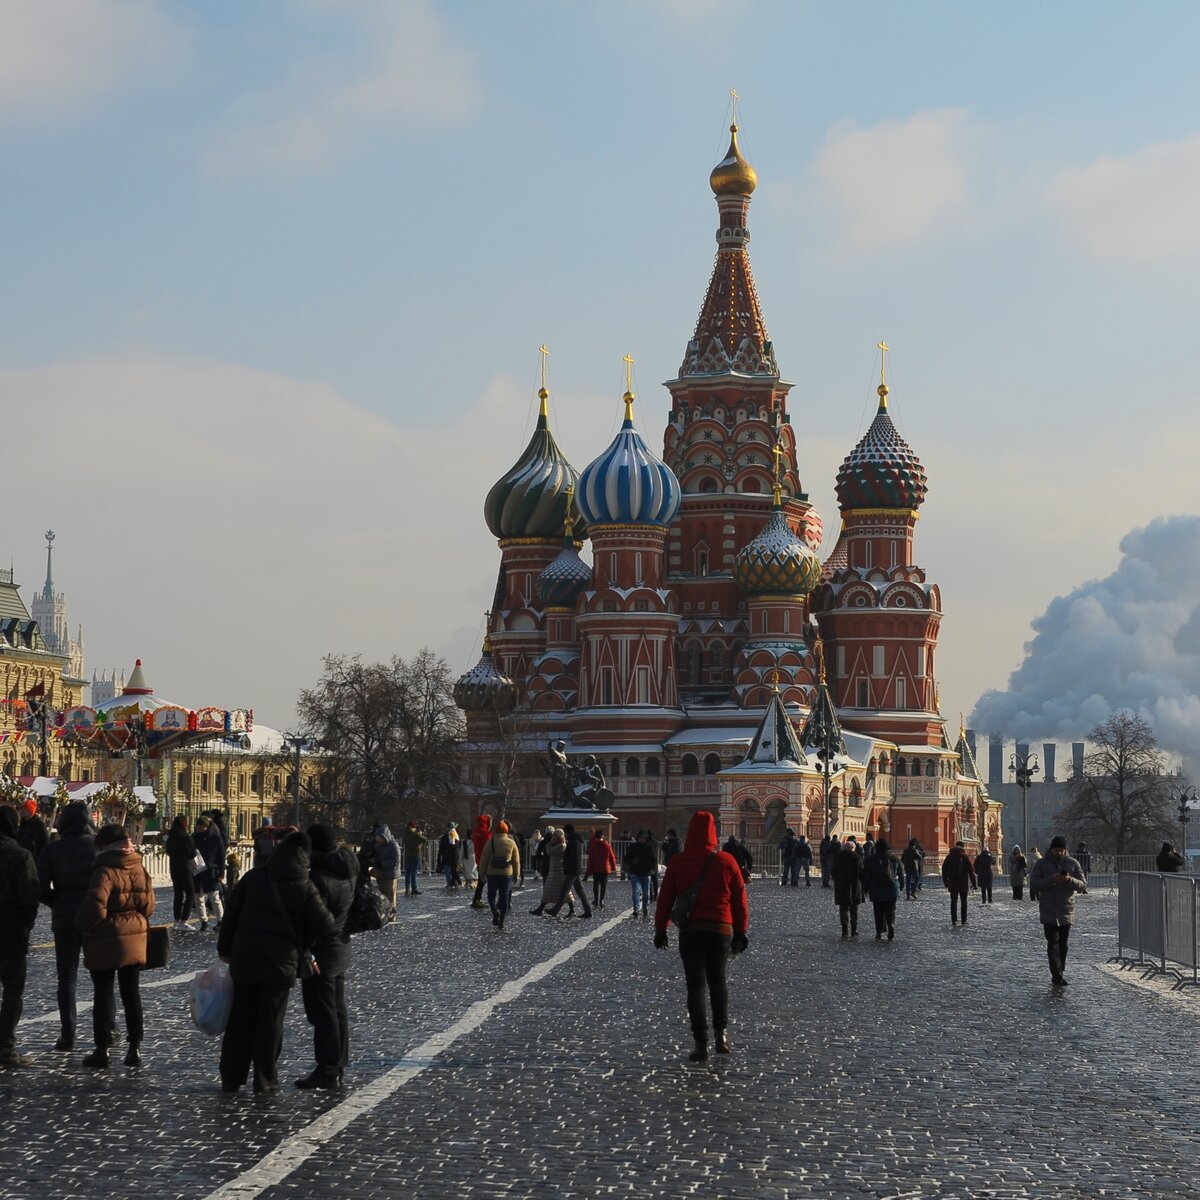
column 210, row 998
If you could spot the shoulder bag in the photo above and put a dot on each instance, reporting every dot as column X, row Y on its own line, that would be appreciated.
column 681, row 910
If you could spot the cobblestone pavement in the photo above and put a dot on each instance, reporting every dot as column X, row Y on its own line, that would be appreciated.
column 938, row 1065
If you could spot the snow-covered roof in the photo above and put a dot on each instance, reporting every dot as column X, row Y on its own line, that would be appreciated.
column 713, row 735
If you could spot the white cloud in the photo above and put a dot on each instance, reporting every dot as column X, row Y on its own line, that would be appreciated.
column 895, row 182
column 1134, row 209
column 58, row 54
column 231, row 526
column 402, row 67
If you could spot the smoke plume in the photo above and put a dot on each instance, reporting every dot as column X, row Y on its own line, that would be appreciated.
column 1129, row 641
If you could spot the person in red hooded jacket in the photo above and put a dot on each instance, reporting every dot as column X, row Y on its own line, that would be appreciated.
column 715, row 928
column 480, row 836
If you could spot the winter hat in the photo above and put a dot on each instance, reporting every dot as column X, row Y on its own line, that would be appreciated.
column 1058, row 843
column 8, row 821
column 299, row 840
column 29, row 808
column 323, row 839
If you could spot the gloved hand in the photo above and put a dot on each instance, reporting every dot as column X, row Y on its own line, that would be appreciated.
column 660, row 939
column 740, row 942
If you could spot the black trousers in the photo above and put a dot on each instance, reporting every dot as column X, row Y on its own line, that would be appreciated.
column 1056, row 948
column 958, row 899
column 885, row 916
column 848, row 913
column 254, row 1035
column 599, row 887
column 985, row 892
column 325, row 1008
column 13, row 963
column 569, row 882
column 705, row 957
column 68, row 947
column 184, row 884
column 1018, row 891
column 104, row 1011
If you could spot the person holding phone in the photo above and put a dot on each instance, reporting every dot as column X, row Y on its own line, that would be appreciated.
column 1054, row 883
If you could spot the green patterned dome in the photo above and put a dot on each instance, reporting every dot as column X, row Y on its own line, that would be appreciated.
column 881, row 471
column 776, row 562
column 530, row 501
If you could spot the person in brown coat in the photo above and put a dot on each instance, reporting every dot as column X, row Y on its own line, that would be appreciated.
column 114, row 919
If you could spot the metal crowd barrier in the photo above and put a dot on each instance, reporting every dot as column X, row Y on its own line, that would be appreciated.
column 1158, row 923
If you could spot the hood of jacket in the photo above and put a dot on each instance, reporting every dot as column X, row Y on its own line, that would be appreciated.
column 75, row 819
column 119, row 854
column 702, row 832
column 483, row 823
column 384, row 832
column 340, row 863
column 289, row 864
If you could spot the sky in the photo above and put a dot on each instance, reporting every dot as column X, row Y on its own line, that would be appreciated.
column 275, row 276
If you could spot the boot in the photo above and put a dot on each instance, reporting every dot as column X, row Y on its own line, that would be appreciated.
column 65, row 1044
column 14, row 1058
column 133, row 1056
column 98, row 1059
column 700, row 1054
column 723, row 1046
column 320, row 1077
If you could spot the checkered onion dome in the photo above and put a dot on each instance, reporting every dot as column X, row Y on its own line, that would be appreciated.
column 881, row 471
column 776, row 562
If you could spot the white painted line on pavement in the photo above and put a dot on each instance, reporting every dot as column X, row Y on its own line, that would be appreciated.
column 85, row 1005
column 294, row 1151
column 422, row 917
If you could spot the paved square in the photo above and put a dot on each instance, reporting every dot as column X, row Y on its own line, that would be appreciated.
column 940, row 1064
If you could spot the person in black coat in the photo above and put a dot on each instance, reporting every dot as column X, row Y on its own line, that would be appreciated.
column 847, row 869
column 985, row 874
column 211, row 847
column 572, row 870
column 274, row 914
column 64, row 873
column 181, row 854
column 1169, row 859
column 18, row 912
column 334, row 872
column 31, row 833
column 882, row 872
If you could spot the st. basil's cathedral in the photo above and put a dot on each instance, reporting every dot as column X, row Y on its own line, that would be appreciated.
column 707, row 657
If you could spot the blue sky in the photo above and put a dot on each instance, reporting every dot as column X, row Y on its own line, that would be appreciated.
column 275, row 276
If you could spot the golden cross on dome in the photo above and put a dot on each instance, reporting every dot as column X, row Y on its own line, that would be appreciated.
column 568, row 522
column 544, row 351
column 628, row 361
column 779, row 452
column 883, row 349
column 820, row 649
column 775, row 680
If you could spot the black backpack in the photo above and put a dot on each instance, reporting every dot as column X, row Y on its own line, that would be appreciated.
column 370, row 909
column 885, row 869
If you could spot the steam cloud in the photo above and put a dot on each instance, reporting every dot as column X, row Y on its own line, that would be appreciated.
column 1130, row 641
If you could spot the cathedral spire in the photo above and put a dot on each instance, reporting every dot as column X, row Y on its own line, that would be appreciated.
column 731, row 336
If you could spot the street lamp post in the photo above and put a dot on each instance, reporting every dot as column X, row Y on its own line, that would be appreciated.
column 1024, row 767
column 298, row 743
column 1184, row 797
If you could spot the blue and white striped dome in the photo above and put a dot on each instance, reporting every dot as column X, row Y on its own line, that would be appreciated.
column 627, row 484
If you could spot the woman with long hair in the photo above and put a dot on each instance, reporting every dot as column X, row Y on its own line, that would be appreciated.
column 181, row 856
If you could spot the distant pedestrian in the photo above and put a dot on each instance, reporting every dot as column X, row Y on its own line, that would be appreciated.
column 650, row 841
column 601, row 863
column 449, row 857
column 274, row 915
column 638, row 863
column 334, row 873
column 32, row 833
column 804, row 859
column 958, row 874
column 1018, row 872
column 716, row 928
column 789, row 868
column 413, row 843
column 1083, row 856
column 985, row 872
column 869, row 846
column 1054, row 883
column 114, row 920
column 181, row 856
column 1169, row 860
column 553, row 847
column 387, row 862
column 882, row 872
column 64, row 873
column 572, row 869
column 912, row 858
column 671, row 846
column 18, row 913
column 740, row 855
column 501, row 865
column 210, row 847
column 847, row 870
column 479, row 837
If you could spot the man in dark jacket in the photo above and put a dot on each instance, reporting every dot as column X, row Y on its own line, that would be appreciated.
column 334, row 871
column 828, row 851
column 449, row 858
column 804, row 859
column 790, row 872
column 274, row 915
column 18, row 912
column 1055, row 882
column 32, row 831
column 985, row 873
column 847, row 870
column 671, row 846
column 64, row 872
column 740, row 855
column 958, row 874
column 1169, row 860
column 572, row 870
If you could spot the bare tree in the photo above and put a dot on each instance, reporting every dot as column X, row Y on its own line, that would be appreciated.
column 1120, row 802
column 395, row 730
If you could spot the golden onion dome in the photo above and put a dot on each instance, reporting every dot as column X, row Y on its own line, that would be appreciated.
column 776, row 562
column 733, row 175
